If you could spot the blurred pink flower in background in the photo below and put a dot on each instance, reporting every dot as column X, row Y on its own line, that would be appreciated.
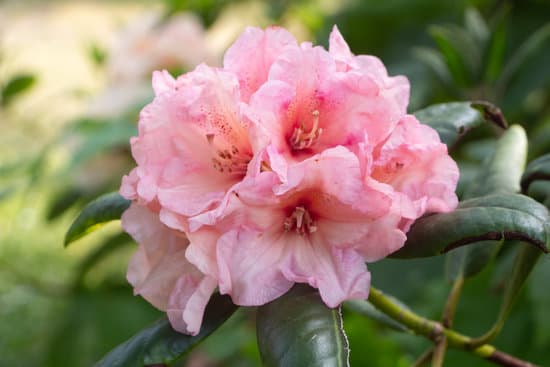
column 291, row 164
column 147, row 44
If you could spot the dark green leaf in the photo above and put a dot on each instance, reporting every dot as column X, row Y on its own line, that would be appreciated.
column 15, row 86
column 298, row 329
column 434, row 61
column 476, row 26
column 492, row 217
column 459, row 51
column 539, row 169
column 62, row 201
column 528, row 49
column 160, row 344
column 495, row 53
column 500, row 173
column 450, row 120
column 104, row 209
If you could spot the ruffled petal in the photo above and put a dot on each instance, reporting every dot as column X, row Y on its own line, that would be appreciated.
column 188, row 301
column 248, row 267
column 252, row 55
column 339, row 274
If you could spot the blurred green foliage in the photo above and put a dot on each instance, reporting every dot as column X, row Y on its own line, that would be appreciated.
column 68, row 308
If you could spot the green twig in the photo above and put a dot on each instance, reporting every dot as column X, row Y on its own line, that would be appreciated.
column 435, row 331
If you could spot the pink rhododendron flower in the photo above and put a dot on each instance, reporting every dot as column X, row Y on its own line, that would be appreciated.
column 292, row 164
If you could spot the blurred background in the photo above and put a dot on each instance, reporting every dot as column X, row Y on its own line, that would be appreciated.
column 73, row 77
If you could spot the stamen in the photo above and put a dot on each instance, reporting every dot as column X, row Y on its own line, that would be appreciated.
column 300, row 220
column 301, row 139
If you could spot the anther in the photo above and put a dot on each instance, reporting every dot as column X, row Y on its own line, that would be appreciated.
column 301, row 139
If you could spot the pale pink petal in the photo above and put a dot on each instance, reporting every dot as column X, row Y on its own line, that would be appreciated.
column 414, row 162
column 128, row 187
column 338, row 47
column 252, row 55
column 160, row 259
column 188, row 302
column 248, row 267
column 339, row 274
column 163, row 82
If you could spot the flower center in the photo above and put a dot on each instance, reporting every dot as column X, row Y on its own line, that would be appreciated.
column 231, row 160
column 302, row 139
column 300, row 220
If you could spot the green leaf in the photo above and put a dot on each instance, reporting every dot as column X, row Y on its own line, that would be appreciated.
column 492, row 217
column 15, row 86
column 495, row 53
column 451, row 120
column 459, row 50
column 62, row 201
column 434, row 60
column 99, row 137
column 104, row 209
column 476, row 26
column 160, row 344
column 528, row 49
column 298, row 329
column 537, row 170
column 500, row 173
column 540, row 191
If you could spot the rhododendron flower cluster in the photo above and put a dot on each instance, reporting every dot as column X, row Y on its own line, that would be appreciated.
column 291, row 164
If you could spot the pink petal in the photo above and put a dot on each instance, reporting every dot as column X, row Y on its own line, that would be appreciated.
column 163, row 82
column 188, row 302
column 160, row 258
column 252, row 55
column 339, row 274
column 248, row 267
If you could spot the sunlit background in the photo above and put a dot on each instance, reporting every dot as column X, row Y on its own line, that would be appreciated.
column 73, row 77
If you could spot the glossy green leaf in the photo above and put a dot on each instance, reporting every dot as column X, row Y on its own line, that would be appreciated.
column 535, row 43
column 540, row 191
column 104, row 209
column 15, row 86
column 492, row 217
column 500, row 173
column 451, row 120
column 298, row 329
column 539, row 169
column 160, row 344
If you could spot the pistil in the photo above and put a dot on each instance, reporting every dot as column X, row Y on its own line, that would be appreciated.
column 300, row 220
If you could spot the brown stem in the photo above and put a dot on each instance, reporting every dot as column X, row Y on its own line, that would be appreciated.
column 507, row 360
column 439, row 352
column 424, row 358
